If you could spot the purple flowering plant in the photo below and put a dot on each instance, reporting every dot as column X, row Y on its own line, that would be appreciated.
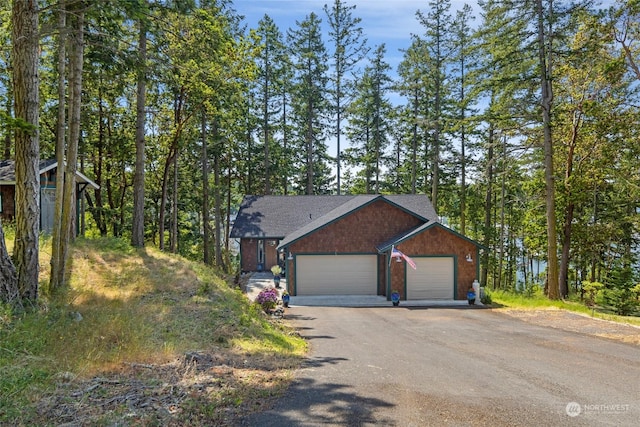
column 268, row 298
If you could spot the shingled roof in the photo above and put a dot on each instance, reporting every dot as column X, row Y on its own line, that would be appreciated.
column 8, row 172
column 289, row 217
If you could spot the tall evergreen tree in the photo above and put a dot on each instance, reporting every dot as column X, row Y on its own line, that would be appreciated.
column 369, row 125
column 463, row 63
column 416, row 85
column 309, row 59
column 349, row 48
column 270, row 83
column 437, row 24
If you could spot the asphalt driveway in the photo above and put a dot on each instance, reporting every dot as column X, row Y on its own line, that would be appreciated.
column 453, row 366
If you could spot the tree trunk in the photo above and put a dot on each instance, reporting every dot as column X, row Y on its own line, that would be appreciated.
column 265, row 128
column 9, row 292
column 205, row 193
column 487, row 210
column 545, row 65
column 60, row 149
column 75, row 93
column 179, row 123
column 414, row 144
column 174, row 211
column 502, row 243
column 7, row 127
column 563, row 280
column 217, row 201
column 137, row 231
column 285, row 143
column 27, row 145
column 309, row 143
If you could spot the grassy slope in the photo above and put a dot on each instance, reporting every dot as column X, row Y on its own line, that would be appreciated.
column 141, row 337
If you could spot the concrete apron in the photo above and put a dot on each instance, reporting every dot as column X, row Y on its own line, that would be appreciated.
column 259, row 281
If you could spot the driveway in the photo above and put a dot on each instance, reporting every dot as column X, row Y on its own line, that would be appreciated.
column 453, row 366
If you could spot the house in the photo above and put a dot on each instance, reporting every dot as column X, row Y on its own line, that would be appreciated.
column 342, row 245
column 48, row 170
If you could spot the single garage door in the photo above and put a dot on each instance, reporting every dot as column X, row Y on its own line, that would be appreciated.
column 432, row 279
column 336, row 274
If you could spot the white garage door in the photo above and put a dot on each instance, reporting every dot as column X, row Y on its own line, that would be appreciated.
column 336, row 274
column 432, row 279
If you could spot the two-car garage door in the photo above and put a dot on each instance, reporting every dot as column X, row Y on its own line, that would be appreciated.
column 336, row 274
column 432, row 279
column 357, row 275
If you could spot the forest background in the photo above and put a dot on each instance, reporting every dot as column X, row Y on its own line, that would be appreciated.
column 521, row 127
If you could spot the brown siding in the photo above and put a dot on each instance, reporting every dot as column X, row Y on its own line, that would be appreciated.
column 439, row 241
column 382, row 274
column 8, row 202
column 357, row 233
column 270, row 253
column 248, row 253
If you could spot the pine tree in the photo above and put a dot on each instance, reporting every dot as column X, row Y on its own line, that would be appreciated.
column 309, row 59
column 437, row 24
column 369, row 126
column 349, row 48
column 269, row 84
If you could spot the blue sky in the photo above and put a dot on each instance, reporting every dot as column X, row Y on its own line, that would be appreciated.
column 383, row 21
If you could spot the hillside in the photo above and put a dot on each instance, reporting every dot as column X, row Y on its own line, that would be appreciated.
column 141, row 338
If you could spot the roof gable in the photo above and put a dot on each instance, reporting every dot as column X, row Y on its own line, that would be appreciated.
column 395, row 241
column 8, row 172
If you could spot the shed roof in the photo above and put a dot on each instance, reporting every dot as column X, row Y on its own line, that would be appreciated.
column 8, row 172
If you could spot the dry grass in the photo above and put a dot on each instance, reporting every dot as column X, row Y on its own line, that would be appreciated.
column 141, row 337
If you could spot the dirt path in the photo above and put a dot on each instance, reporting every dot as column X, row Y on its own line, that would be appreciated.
column 577, row 322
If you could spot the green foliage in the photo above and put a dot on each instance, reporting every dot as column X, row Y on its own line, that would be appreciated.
column 486, row 298
column 592, row 291
column 619, row 290
column 276, row 270
column 624, row 301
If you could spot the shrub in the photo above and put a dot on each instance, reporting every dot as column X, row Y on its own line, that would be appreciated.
column 486, row 298
column 622, row 300
column 268, row 299
column 591, row 291
column 276, row 270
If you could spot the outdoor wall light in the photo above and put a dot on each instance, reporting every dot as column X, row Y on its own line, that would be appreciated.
column 468, row 257
column 290, row 256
